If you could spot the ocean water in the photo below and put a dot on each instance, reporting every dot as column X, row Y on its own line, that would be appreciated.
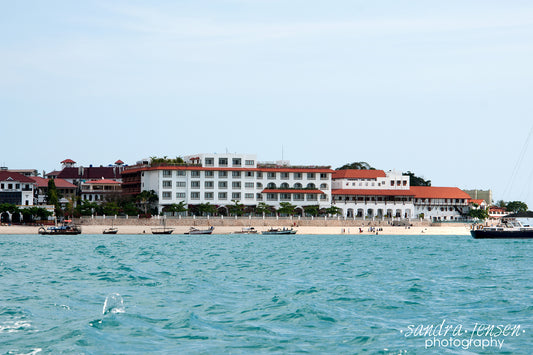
column 246, row 294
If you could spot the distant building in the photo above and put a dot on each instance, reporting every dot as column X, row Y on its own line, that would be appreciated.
column 16, row 188
column 77, row 175
column 496, row 212
column 65, row 190
column 485, row 195
column 100, row 191
column 221, row 179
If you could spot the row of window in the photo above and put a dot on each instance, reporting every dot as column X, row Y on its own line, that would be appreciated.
column 224, row 162
column 9, row 186
column 248, row 174
column 247, row 196
column 167, row 184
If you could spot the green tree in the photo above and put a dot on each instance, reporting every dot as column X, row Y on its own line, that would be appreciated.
column 333, row 210
column 416, row 180
column 360, row 165
column 207, row 209
column 52, row 197
column 87, row 208
column 312, row 210
column 176, row 208
column 263, row 208
column 146, row 199
column 286, row 208
column 237, row 209
column 516, row 206
column 479, row 213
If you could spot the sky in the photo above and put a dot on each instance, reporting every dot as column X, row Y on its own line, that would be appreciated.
column 439, row 88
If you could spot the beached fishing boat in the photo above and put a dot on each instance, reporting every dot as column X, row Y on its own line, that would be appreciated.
column 162, row 230
column 279, row 231
column 111, row 230
column 246, row 230
column 200, row 231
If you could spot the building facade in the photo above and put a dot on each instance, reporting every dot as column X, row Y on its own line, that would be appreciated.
column 16, row 188
column 223, row 179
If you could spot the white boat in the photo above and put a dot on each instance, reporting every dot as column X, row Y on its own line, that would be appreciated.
column 194, row 230
column 246, row 230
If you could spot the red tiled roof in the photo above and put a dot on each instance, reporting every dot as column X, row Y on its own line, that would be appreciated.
column 477, row 202
column 60, row 183
column 5, row 175
column 371, row 192
column 119, row 162
column 439, row 192
column 358, row 174
column 68, row 161
column 103, row 181
column 90, row 173
column 291, row 191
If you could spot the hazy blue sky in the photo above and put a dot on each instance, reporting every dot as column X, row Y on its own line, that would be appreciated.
column 440, row 88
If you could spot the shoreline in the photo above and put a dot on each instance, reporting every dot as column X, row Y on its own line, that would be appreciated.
column 302, row 230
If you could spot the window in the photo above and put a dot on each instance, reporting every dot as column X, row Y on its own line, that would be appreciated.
column 222, row 184
column 297, row 185
column 195, row 195
column 271, row 175
column 222, row 196
column 248, row 196
column 180, row 195
column 285, row 197
column 311, row 197
column 167, row 173
column 222, row 174
column 271, row 186
column 323, row 176
column 249, row 185
column 298, row 197
column 209, row 174
column 323, row 186
column 297, row 176
column 236, row 184
column 181, row 184
column 10, row 186
column 180, row 172
column 272, row 197
column 236, row 162
column 284, row 186
column 249, row 174
column 222, row 161
column 259, row 175
column 284, row 176
column 209, row 161
column 167, row 184
column 311, row 176
column 195, row 184
column 208, row 195
column 166, row 195
column 209, row 184
column 195, row 173
column 235, row 174
column 311, row 186
column 391, row 183
column 249, row 162
column 259, row 185
column 236, row 196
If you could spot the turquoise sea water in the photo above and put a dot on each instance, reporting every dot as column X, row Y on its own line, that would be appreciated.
column 242, row 294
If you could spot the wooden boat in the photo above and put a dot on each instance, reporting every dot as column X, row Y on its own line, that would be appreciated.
column 200, row 231
column 162, row 230
column 278, row 231
column 111, row 230
column 246, row 230
column 63, row 229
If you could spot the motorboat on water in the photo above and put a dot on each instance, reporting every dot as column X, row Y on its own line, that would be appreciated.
column 194, row 230
column 279, row 231
column 65, row 228
column 508, row 228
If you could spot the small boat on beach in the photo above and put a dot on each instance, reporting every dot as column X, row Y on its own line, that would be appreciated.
column 65, row 228
column 111, row 230
column 162, row 230
column 194, row 230
column 246, row 230
column 508, row 228
column 278, row 231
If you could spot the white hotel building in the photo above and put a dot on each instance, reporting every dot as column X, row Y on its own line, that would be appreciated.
column 221, row 179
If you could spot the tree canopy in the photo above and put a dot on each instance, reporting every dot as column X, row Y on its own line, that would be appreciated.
column 360, row 165
column 417, row 180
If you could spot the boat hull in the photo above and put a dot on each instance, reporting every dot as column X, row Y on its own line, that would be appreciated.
column 70, row 231
column 489, row 234
column 166, row 231
column 278, row 232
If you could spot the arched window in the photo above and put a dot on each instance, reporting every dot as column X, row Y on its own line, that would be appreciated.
column 311, row 186
column 271, row 185
column 297, row 185
column 284, row 186
column 324, row 186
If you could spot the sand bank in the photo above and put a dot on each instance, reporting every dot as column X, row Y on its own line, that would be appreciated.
column 387, row 230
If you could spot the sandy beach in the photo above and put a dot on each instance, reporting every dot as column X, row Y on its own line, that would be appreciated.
column 387, row 230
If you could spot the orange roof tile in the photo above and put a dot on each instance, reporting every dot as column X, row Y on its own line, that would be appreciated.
column 102, row 181
column 439, row 192
column 358, row 174
column 60, row 183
